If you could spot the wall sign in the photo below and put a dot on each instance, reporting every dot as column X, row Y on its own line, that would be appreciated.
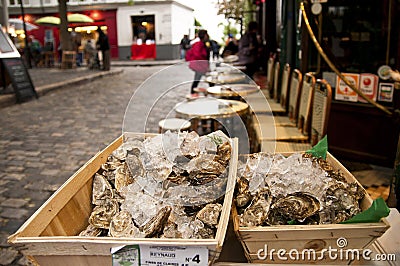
column 343, row 91
column 386, row 92
column 368, row 86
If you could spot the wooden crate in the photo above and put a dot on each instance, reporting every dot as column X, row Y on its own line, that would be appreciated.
column 49, row 236
column 300, row 237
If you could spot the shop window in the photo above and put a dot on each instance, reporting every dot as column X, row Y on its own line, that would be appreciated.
column 349, row 33
column 18, row 2
column 143, row 29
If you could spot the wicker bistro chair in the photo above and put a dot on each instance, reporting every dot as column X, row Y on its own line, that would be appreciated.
column 282, row 116
column 301, row 126
column 294, row 94
column 285, row 87
column 319, row 122
column 277, row 70
column 304, row 107
column 258, row 103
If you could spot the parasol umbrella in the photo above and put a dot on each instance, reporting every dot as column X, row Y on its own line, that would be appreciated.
column 18, row 24
column 79, row 18
column 48, row 21
column 72, row 18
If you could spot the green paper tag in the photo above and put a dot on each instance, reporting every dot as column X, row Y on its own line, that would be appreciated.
column 373, row 214
column 320, row 149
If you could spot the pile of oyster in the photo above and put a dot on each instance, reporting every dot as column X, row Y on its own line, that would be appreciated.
column 273, row 189
column 171, row 185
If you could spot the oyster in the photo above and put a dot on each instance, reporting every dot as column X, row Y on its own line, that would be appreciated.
column 134, row 163
column 111, row 164
column 257, row 213
column 205, row 163
column 341, row 201
column 190, row 145
column 297, row 206
column 210, row 214
column 224, row 153
column 171, row 231
column 123, row 177
column 205, row 233
column 122, row 225
column 156, row 224
column 101, row 215
column 102, row 190
column 243, row 196
column 91, row 231
column 201, row 179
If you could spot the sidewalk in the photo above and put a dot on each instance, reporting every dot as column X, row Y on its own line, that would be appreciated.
column 48, row 79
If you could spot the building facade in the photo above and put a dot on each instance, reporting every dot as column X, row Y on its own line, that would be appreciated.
column 151, row 29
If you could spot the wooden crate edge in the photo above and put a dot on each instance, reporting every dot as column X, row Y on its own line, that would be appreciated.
column 49, row 208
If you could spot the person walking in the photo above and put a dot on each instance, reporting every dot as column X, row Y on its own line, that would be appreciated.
column 104, row 46
column 248, row 49
column 198, row 57
column 184, row 45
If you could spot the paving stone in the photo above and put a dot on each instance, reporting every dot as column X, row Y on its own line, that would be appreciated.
column 12, row 213
column 14, row 169
column 8, row 255
column 24, row 261
column 50, row 172
column 13, row 203
column 14, row 176
column 4, row 183
column 35, row 164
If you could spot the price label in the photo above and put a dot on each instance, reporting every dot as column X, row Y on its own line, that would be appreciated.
column 160, row 255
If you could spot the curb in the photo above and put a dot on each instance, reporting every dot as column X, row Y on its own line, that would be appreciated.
column 10, row 99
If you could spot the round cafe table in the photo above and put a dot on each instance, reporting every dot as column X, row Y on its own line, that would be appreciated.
column 232, row 90
column 207, row 109
column 225, row 78
column 210, row 108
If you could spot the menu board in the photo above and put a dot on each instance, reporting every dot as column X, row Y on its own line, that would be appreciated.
column 20, row 79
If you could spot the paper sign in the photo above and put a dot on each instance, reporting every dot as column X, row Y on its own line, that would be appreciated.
column 330, row 77
column 343, row 91
column 368, row 86
column 386, row 92
column 141, row 255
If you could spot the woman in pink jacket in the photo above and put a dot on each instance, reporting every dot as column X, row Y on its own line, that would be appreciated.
column 198, row 57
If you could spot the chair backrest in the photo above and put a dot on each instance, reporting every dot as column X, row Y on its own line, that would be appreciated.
column 284, row 99
column 277, row 70
column 305, row 104
column 294, row 94
column 270, row 73
column 321, row 109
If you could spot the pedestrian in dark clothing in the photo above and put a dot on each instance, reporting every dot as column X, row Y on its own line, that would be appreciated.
column 215, row 49
column 248, row 49
column 184, row 45
column 231, row 48
column 104, row 46
column 198, row 57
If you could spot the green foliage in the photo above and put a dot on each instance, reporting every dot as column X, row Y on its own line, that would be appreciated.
column 216, row 139
column 197, row 23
